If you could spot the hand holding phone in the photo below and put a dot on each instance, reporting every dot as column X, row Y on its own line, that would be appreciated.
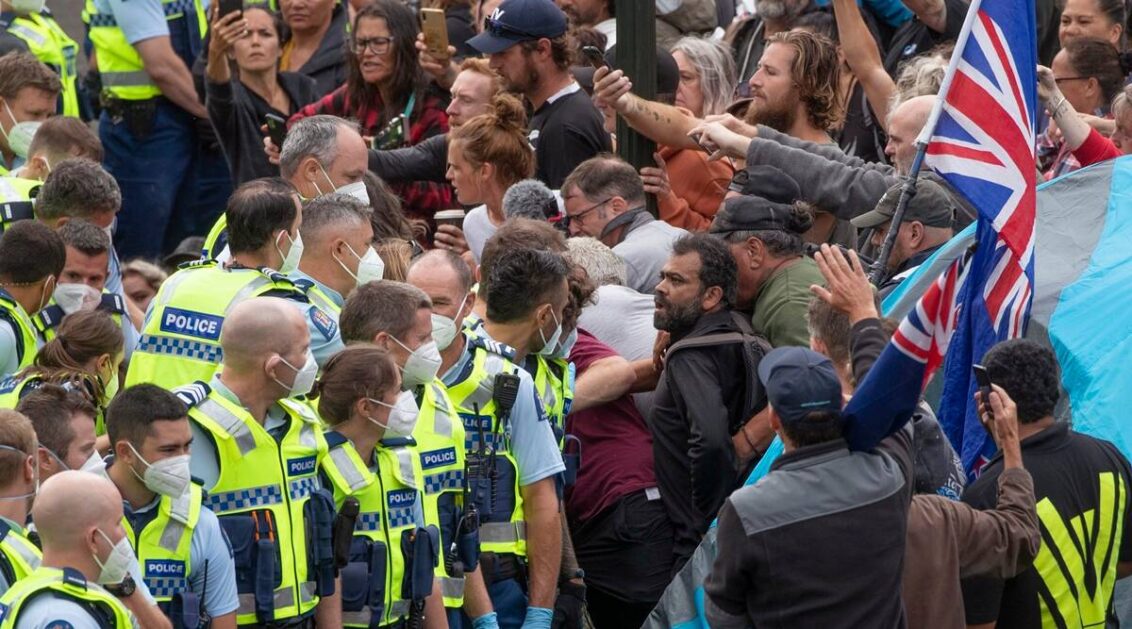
column 276, row 129
column 229, row 6
column 434, row 26
column 594, row 57
column 982, row 379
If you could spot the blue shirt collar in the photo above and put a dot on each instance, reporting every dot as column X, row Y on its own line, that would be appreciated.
column 335, row 296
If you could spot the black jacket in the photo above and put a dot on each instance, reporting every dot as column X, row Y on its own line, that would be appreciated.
column 699, row 403
column 327, row 66
column 425, row 161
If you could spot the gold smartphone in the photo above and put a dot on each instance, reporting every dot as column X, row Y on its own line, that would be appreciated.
column 435, row 29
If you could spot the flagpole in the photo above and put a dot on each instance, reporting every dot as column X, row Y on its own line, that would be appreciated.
column 908, row 190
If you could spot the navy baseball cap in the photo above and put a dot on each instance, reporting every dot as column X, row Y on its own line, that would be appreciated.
column 516, row 21
column 799, row 381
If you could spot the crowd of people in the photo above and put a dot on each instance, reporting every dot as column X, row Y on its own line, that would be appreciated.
column 307, row 319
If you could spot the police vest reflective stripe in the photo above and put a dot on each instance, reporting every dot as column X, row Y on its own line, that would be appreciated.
column 51, row 45
column 502, row 530
column 554, row 384
column 386, row 499
column 120, row 65
column 261, row 498
column 48, row 319
column 163, row 544
column 440, row 447
column 217, row 237
column 180, row 342
column 21, row 556
column 27, row 343
column 69, row 584
column 17, row 200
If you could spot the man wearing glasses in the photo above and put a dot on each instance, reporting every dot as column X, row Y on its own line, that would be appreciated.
column 525, row 41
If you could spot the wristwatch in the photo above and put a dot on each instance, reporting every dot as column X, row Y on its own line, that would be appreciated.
column 123, row 589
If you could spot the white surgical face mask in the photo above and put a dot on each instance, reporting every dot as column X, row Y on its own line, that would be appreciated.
column 370, row 266
column 402, row 416
column 117, row 564
column 422, row 366
column 550, row 345
column 304, row 376
column 566, row 345
column 356, row 190
column 294, row 254
column 20, row 135
column 94, row 464
column 24, row 7
column 168, row 477
column 75, row 297
column 444, row 328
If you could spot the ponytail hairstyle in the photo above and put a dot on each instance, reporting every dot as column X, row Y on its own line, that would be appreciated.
column 359, row 371
column 82, row 337
column 499, row 138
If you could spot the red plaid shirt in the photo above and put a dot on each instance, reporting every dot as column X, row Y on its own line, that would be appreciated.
column 421, row 199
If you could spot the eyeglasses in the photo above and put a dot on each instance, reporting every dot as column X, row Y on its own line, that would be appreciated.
column 376, row 45
column 570, row 218
column 1072, row 78
column 499, row 29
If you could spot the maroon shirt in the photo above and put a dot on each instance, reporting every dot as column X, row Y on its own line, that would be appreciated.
column 616, row 445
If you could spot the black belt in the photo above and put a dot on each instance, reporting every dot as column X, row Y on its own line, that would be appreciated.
column 503, row 567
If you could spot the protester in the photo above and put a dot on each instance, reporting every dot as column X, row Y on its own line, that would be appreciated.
column 1074, row 475
column 749, row 35
column 19, row 467
column 1104, row 19
column 319, row 33
column 604, row 198
column 141, row 280
column 486, row 156
column 64, row 425
column 28, row 90
column 386, row 85
column 239, row 102
column 706, row 393
column 31, row 259
column 530, row 198
column 936, row 22
column 527, row 44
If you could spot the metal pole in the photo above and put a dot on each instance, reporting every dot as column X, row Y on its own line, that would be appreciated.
column 907, row 191
column 636, row 55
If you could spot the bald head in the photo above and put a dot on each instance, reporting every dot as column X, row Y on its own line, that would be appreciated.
column 259, row 327
column 61, row 526
column 904, row 126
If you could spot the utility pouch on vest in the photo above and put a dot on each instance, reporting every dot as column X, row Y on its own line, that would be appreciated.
column 245, row 531
column 363, row 578
column 419, row 547
column 503, row 491
column 184, row 610
column 478, row 477
column 468, row 544
column 319, row 515
column 268, row 571
column 344, row 524
column 572, row 459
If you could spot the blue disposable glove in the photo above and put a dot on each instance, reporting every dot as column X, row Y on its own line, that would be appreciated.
column 538, row 618
column 487, row 621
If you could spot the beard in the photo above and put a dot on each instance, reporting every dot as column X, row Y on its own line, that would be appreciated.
column 776, row 115
column 528, row 78
column 677, row 319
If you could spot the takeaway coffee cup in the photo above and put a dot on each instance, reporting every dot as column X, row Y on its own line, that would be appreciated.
column 454, row 218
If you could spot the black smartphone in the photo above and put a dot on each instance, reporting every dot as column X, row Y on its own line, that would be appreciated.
column 228, row 6
column 982, row 379
column 594, row 57
column 392, row 136
column 276, row 129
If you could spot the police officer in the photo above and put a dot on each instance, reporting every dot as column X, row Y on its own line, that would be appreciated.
column 82, row 285
column 513, row 451
column 372, row 459
column 28, row 90
column 31, row 259
column 185, row 559
column 398, row 317
column 179, row 342
column 257, row 452
column 19, row 470
column 34, row 25
column 337, row 256
column 64, row 425
column 85, row 577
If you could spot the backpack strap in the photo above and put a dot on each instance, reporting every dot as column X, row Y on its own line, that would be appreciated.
column 754, row 348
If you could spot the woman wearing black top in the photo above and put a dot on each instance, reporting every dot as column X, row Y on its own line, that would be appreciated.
column 238, row 102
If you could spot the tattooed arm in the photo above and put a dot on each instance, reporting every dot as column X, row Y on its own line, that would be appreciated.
column 664, row 124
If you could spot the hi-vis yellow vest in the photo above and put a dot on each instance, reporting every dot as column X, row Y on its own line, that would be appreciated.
column 269, row 503
column 162, row 545
column 27, row 343
column 180, row 342
column 18, row 556
column 67, row 583
column 51, row 45
column 374, row 580
column 120, row 65
column 17, row 200
column 440, row 448
column 48, row 319
column 503, row 529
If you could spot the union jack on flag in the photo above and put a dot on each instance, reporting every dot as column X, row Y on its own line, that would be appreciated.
column 980, row 139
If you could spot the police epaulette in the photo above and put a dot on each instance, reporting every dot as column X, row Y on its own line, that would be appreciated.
column 112, row 303
column 197, row 264
column 398, row 442
column 495, row 347
column 334, row 439
column 74, row 577
column 193, row 394
column 275, row 276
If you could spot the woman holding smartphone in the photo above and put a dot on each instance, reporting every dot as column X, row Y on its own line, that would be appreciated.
column 237, row 102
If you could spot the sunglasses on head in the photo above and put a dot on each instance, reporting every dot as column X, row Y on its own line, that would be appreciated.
column 499, row 29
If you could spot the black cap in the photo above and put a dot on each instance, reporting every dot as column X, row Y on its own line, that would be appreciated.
column 751, row 214
column 931, row 206
column 799, row 381
column 188, row 250
column 516, row 21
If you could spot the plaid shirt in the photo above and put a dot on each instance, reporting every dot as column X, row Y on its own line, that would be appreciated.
column 421, row 199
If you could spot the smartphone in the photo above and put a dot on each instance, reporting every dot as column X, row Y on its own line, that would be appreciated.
column 276, row 129
column 435, row 29
column 228, row 6
column 982, row 379
column 594, row 57
column 392, row 136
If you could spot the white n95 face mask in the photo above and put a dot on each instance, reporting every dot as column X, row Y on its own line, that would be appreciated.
column 444, row 328
column 294, row 254
column 304, row 376
column 168, row 477
column 370, row 266
column 402, row 416
column 75, row 297
column 117, row 564
column 20, row 135
column 422, row 365
column 24, row 7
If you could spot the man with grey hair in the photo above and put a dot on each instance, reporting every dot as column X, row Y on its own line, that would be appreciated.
column 604, row 198
column 530, row 198
column 324, row 154
column 337, row 256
